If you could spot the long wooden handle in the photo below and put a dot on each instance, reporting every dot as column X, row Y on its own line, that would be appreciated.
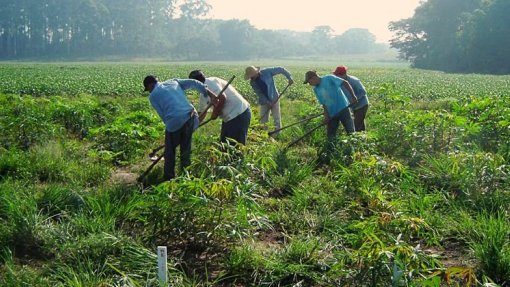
column 283, row 92
column 204, row 123
column 221, row 92
column 154, row 151
column 146, row 172
column 277, row 99
column 226, row 86
column 303, row 136
column 298, row 122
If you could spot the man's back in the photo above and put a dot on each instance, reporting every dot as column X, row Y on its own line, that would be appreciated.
column 171, row 104
column 235, row 103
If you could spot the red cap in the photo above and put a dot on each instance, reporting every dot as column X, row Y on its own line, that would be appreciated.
column 340, row 71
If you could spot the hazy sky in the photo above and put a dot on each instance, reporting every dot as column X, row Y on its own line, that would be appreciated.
column 304, row 15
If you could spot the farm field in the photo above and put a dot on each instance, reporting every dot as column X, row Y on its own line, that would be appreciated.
column 421, row 199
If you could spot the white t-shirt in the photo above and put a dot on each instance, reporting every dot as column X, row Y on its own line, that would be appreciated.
column 234, row 105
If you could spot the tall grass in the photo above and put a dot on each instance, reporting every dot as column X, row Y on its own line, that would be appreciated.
column 488, row 235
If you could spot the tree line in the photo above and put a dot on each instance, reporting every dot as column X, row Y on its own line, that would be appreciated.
column 173, row 29
column 470, row 36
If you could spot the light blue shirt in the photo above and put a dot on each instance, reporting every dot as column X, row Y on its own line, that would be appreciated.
column 170, row 102
column 359, row 91
column 266, row 75
column 330, row 95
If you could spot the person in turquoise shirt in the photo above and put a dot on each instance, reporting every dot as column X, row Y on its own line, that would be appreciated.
column 360, row 109
column 169, row 100
column 328, row 90
column 262, row 82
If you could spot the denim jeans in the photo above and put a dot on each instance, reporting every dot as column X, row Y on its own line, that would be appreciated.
column 359, row 118
column 181, row 137
column 344, row 117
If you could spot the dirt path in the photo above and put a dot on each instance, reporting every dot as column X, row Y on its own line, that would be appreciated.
column 124, row 176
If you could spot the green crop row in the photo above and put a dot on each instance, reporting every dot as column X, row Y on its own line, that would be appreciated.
column 125, row 79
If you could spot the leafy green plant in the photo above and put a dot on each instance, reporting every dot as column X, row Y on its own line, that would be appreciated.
column 488, row 236
column 126, row 137
column 12, row 274
column 465, row 173
column 244, row 262
column 397, row 262
column 23, row 223
column 300, row 262
column 79, row 115
column 24, row 122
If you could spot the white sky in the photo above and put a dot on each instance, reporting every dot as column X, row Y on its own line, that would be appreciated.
column 304, row 15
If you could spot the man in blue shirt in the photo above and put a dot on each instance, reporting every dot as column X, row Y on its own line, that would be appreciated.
column 180, row 118
column 328, row 90
column 262, row 82
column 360, row 109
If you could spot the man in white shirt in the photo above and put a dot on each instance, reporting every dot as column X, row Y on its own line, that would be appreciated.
column 235, row 111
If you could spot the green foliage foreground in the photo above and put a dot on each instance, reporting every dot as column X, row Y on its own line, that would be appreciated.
column 422, row 199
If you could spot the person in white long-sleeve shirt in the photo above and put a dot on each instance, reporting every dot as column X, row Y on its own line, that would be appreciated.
column 234, row 110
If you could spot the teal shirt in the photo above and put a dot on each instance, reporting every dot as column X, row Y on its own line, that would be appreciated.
column 171, row 104
column 330, row 94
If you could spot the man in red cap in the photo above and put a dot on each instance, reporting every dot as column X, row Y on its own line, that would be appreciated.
column 361, row 107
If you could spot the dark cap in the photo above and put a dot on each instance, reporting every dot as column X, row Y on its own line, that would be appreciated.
column 150, row 79
column 197, row 75
column 309, row 75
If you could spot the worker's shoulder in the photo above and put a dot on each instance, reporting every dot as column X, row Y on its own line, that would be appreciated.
column 215, row 81
column 354, row 78
column 274, row 68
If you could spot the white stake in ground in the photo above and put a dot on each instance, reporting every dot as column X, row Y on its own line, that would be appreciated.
column 162, row 266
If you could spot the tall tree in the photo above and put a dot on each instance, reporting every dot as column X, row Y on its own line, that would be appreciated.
column 429, row 38
column 193, row 9
column 236, row 39
column 355, row 41
column 486, row 39
column 321, row 39
column 177, row 29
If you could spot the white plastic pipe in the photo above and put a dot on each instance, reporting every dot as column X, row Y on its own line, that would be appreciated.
column 162, row 266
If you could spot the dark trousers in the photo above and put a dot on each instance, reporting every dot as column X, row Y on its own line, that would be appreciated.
column 359, row 118
column 236, row 128
column 181, row 137
column 344, row 117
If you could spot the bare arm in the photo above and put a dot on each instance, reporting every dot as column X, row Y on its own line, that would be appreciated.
column 212, row 100
column 326, row 115
column 218, row 105
column 352, row 98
